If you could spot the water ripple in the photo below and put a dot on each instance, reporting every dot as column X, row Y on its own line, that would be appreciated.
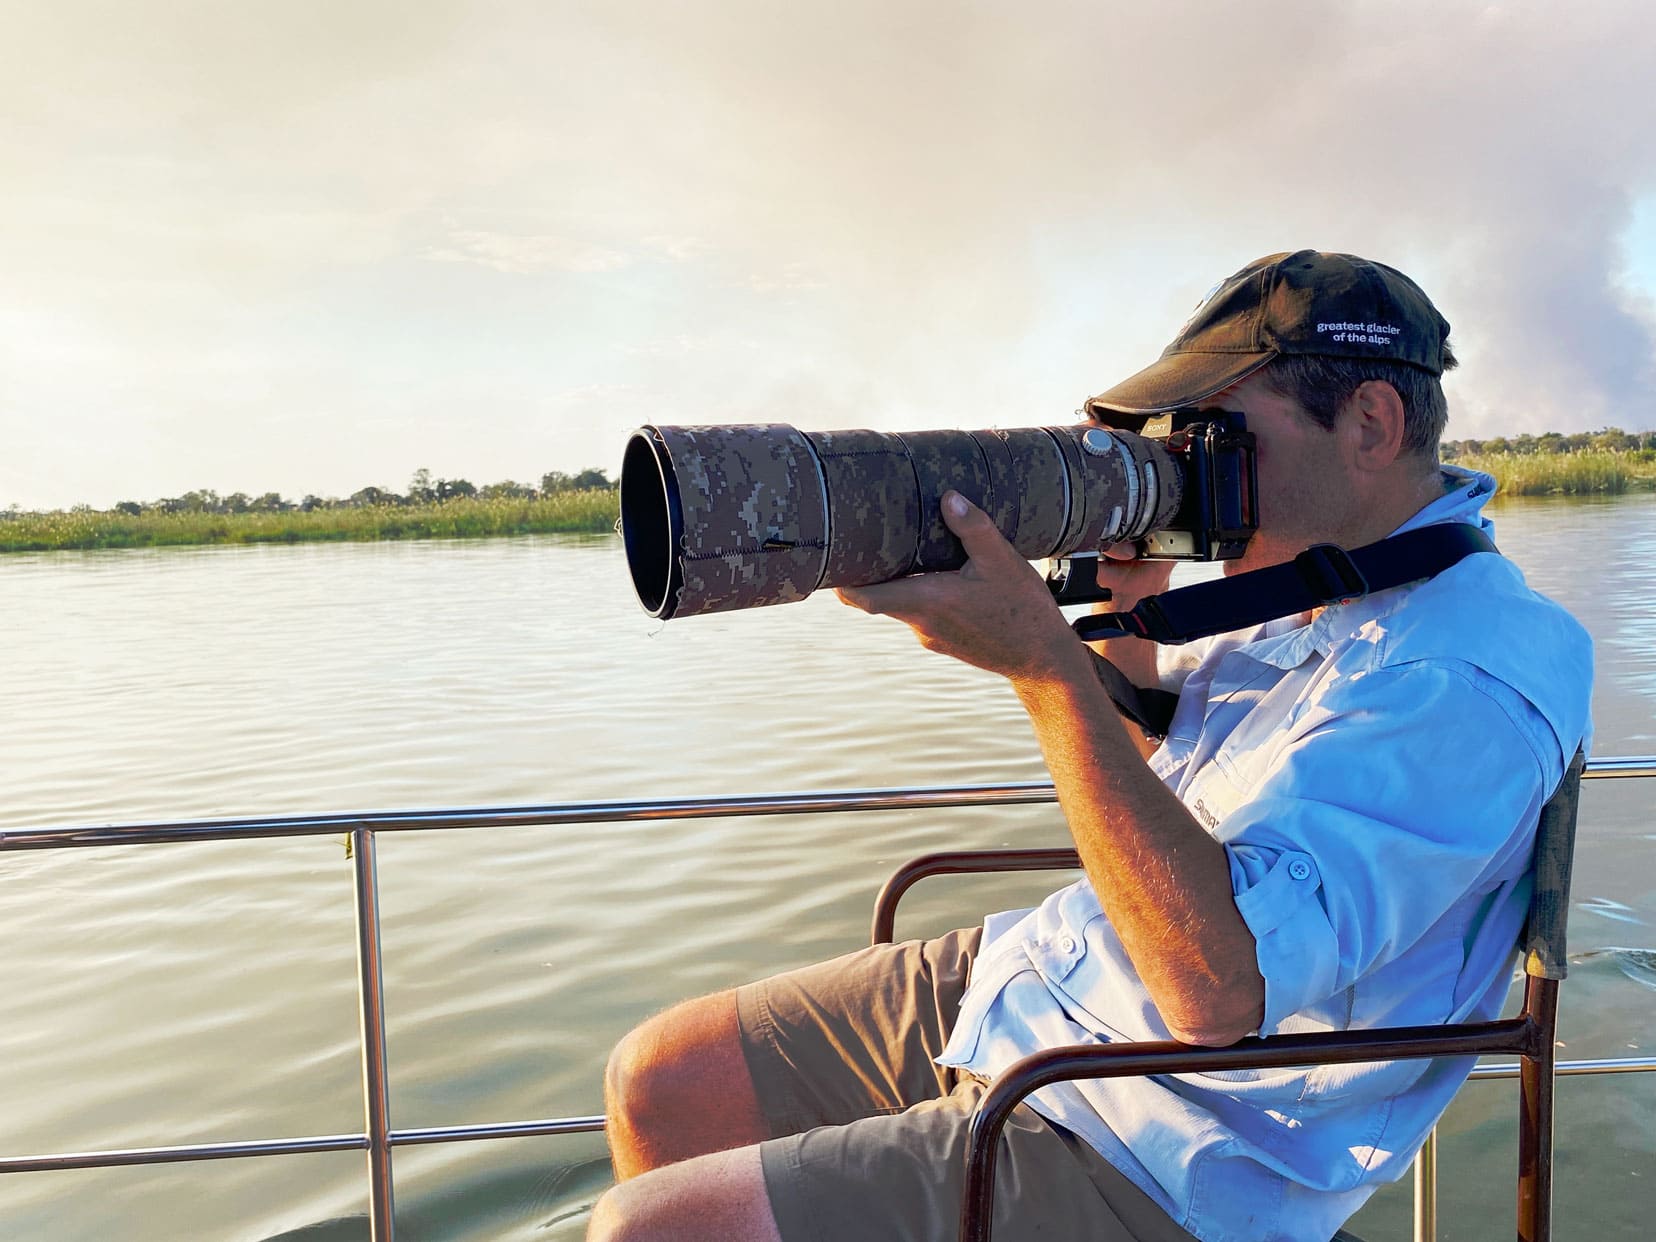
column 207, row 992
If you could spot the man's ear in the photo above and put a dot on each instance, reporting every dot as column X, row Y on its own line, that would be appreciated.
column 1374, row 421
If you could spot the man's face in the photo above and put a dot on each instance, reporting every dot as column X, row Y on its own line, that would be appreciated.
column 1304, row 494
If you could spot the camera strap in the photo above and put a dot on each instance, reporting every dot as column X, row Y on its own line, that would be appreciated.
column 1150, row 710
column 1322, row 574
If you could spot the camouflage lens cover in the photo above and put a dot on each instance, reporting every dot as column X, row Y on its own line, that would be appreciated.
column 717, row 518
column 754, row 516
column 1032, row 490
column 873, row 506
column 1129, row 484
column 944, row 460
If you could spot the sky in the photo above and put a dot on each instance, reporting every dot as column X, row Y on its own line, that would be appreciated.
column 306, row 247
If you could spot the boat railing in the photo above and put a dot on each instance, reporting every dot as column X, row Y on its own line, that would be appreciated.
column 378, row 1139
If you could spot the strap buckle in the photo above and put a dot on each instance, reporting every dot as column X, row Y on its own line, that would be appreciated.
column 1331, row 574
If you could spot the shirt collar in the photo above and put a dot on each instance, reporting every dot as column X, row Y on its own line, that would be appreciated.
column 1465, row 492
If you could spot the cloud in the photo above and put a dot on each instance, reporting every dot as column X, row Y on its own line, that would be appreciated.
column 521, row 254
column 1060, row 185
column 587, row 394
column 432, row 220
column 678, row 249
column 685, row 344
column 541, row 252
column 789, row 278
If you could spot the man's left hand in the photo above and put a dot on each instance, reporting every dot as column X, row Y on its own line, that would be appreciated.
column 995, row 612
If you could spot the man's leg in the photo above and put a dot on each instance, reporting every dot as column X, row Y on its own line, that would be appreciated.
column 715, row 1198
column 834, row 1066
column 678, row 1086
column 888, row 1178
column 833, row 1042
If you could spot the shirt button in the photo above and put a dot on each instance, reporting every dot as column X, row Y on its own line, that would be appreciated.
column 1067, row 944
column 1300, row 869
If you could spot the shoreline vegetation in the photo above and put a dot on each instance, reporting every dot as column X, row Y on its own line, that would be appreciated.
column 588, row 502
column 593, row 510
column 1608, row 462
column 430, row 509
column 1582, row 472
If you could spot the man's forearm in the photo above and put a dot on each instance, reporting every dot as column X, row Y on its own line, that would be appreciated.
column 1161, row 879
column 1164, row 883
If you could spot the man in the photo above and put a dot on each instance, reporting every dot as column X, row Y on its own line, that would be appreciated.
column 1335, row 833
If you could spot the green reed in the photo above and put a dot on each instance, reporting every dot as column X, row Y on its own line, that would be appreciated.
column 1589, row 472
column 458, row 518
column 1585, row 472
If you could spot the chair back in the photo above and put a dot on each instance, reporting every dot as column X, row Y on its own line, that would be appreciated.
column 1532, row 1036
column 1545, row 952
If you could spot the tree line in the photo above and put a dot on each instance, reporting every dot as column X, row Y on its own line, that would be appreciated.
column 423, row 489
column 1607, row 439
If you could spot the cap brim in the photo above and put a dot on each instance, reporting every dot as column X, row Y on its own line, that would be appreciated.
column 1178, row 379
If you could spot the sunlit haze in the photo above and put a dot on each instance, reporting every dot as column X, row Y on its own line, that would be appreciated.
column 311, row 246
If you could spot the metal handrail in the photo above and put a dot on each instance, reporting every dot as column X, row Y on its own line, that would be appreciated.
column 1009, row 793
column 378, row 1139
column 543, row 1128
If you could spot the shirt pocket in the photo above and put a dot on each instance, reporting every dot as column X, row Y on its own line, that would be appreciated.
column 1219, row 788
column 1229, row 1189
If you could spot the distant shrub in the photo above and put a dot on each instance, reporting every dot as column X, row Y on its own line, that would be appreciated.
column 593, row 509
column 1581, row 472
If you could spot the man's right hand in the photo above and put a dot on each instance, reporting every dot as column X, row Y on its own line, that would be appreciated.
column 1130, row 579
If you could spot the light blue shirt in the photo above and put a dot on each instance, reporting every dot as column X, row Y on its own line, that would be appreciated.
column 1375, row 776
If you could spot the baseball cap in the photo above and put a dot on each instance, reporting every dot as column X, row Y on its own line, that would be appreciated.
column 1306, row 302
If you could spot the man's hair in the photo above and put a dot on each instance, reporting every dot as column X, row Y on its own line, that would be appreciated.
column 1321, row 385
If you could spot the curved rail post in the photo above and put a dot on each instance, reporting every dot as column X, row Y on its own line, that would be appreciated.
column 1041, row 1069
column 1425, row 1189
column 1535, row 1128
column 371, row 992
column 958, row 862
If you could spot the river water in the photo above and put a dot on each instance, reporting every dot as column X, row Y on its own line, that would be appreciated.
column 171, row 994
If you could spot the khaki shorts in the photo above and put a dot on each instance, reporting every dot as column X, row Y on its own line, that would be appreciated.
column 869, row 1134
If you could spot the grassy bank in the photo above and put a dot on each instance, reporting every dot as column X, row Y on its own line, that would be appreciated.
column 1586, row 472
column 458, row 518
column 1589, row 472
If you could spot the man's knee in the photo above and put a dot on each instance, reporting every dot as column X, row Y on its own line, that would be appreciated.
column 634, row 1068
column 607, row 1220
column 611, row 1220
column 713, row 1198
column 626, row 1213
column 676, row 1060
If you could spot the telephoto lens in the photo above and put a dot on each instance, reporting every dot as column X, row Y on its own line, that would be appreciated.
column 718, row 518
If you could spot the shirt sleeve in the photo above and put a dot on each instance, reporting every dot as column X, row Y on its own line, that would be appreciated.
column 1398, row 793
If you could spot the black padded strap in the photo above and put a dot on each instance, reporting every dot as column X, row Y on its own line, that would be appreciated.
column 1322, row 574
column 1150, row 710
